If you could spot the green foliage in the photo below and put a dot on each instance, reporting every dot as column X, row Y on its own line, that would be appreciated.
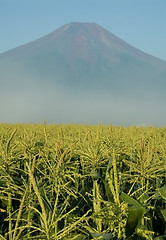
column 136, row 212
column 82, row 182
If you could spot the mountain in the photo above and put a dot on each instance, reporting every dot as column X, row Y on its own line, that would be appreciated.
column 82, row 73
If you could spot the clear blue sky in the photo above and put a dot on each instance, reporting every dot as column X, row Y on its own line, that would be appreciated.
column 142, row 23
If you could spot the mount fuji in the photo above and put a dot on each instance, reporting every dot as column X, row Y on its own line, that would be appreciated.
column 82, row 73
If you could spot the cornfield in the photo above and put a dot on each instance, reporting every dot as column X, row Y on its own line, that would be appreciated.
column 82, row 182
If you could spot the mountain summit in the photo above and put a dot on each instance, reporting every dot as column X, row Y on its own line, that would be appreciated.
column 81, row 61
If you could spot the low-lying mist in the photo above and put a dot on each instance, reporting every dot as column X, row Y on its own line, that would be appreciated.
column 29, row 101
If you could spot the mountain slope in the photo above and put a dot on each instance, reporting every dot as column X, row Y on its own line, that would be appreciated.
column 82, row 61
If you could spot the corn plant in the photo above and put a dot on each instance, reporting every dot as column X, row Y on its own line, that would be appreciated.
column 82, row 182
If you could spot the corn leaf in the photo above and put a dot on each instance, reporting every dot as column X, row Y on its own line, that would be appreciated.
column 164, row 214
column 162, row 192
column 136, row 212
column 102, row 236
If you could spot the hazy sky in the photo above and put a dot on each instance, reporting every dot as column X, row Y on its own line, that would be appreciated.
column 139, row 22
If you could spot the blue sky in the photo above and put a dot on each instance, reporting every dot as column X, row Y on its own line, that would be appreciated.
column 139, row 22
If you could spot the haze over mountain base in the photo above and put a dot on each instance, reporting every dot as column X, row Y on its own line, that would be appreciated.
column 81, row 73
column 61, row 106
